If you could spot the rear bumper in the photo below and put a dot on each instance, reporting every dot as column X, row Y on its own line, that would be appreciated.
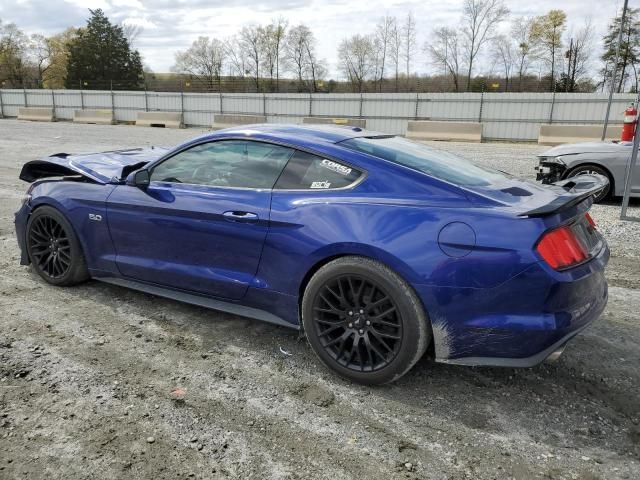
column 555, row 348
column 521, row 322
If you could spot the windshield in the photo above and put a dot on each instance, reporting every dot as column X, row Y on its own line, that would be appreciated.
column 436, row 163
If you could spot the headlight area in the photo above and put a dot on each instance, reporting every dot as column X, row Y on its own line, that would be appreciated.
column 550, row 169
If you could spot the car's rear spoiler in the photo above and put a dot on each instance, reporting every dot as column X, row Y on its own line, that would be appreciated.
column 571, row 192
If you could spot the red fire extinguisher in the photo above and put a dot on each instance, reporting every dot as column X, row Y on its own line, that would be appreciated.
column 629, row 127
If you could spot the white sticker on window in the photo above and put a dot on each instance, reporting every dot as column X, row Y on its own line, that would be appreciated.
column 336, row 167
column 320, row 184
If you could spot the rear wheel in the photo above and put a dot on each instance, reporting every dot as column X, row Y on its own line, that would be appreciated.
column 53, row 248
column 364, row 321
column 593, row 170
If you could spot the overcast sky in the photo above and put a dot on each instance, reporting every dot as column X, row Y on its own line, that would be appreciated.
column 171, row 25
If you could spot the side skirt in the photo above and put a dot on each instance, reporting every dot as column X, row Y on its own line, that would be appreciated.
column 199, row 300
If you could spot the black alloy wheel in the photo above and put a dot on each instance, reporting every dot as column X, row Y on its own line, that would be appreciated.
column 54, row 249
column 50, row 247
column 357, row 323
column 364, row 321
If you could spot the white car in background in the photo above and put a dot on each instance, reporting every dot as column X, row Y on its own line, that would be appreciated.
column 602, row 158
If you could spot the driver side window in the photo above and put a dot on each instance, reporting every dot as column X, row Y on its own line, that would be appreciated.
column 225, row 163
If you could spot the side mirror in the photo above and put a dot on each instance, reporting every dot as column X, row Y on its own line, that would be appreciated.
column 139, row 178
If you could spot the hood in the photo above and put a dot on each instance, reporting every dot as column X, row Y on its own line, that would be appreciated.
column 104, row 167
column 588, row 147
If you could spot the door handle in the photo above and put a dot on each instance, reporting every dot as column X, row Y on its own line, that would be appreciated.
column 239, row 216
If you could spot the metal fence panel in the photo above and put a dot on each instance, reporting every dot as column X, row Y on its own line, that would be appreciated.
column 345, row 105
column 198, row 109
column 66, row 102
column 505, row 116
column 126, row 104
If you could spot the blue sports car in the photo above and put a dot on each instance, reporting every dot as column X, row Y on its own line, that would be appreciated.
column 379, row 248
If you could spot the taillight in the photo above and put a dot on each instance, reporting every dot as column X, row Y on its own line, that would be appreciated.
column 560, row 248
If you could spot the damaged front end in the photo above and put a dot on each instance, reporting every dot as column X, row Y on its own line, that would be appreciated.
column 61, row 176
column 550, row 169
column 104, row 167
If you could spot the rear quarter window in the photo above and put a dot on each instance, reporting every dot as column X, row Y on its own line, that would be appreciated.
column 435, row 163
column 306, row 171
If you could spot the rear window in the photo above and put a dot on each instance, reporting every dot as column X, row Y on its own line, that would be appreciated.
column 436, row 163
column 306, row 171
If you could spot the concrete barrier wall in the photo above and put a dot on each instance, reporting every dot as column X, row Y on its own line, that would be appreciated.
column 353, row 122
column 226, row 121
column 99, row 117
column 557, row 134
column 452, row 131
column 36, row 114
column 159, row 119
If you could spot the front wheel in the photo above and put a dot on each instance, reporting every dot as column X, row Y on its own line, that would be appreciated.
column 54, row 249
column 364, row 321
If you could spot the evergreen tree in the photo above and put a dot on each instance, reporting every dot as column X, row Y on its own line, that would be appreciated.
column 101, row 58
column 629, row 49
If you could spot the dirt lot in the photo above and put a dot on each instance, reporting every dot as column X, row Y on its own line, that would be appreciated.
column 102, row 382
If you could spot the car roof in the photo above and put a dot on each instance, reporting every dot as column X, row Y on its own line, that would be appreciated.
column 295, row 134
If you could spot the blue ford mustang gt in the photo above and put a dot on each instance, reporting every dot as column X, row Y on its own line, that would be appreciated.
column 379, row 248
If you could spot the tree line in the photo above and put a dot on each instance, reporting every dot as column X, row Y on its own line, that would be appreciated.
column 535, row 53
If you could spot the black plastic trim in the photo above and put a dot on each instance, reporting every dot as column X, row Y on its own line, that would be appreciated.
column 199, row 300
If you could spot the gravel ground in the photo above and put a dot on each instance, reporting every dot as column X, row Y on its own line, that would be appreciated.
column 98, row 381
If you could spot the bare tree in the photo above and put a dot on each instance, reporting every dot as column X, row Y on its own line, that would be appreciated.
column 480, row 18
column 237, row 58
column 272, row 44
column 444, row 50
column 356, row 56
column 204, row 60
column 269, row 54
column 296, row 52
column 578, row 56
column 40, row 53
column 409, row 40
column 279, row 34
column 395, row 47
column 301, row 58
column 252, row 43
column 131, row 32
column 383, row 42
column 521, row 33
column 317, row 67
column 504, row 54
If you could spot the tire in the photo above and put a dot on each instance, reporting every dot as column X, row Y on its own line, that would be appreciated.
column 54, row 249
column 594, row 169
column 354, row 330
